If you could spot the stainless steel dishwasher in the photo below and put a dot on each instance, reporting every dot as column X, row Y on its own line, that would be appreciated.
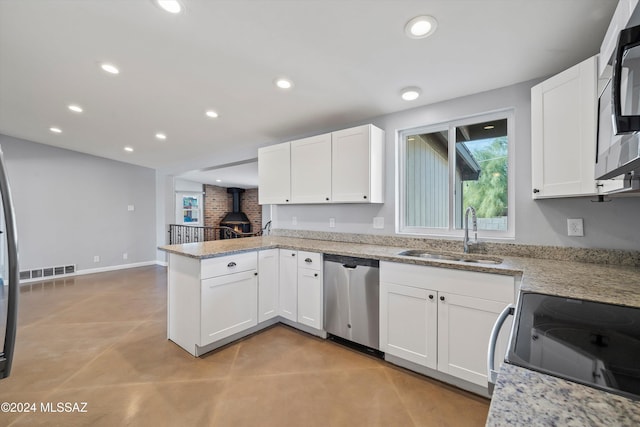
column 351, row 299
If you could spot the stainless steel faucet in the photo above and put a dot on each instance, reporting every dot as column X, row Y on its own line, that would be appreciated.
column 466, row 242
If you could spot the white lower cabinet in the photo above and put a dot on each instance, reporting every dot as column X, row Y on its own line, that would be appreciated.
column 441, row 318
column 211, row 299
column 310, row 289
column 288, row 297
column 268, row 292
column 464, row 327
column 408, row 323
column 229, row 305
column 301, row 287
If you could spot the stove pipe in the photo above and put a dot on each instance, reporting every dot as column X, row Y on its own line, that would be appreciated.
column 236, row 216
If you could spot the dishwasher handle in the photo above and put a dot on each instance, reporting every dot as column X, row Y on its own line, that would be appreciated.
column 351, row 262
column 492, row 373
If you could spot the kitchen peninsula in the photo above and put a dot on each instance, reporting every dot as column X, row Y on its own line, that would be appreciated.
column 615, row 284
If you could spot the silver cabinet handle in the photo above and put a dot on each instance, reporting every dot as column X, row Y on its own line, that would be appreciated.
column 492, row 374
column 231, row 264
column 308, row 260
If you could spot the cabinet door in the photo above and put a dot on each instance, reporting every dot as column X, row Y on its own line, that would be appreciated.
column 311, row 169
column 464, row 328
column 267, row 284
column 310, row 297
column 288, row 298
column 563, row 133
column 408, row 323
column 229, row 304
column 356, row 165
column 274, row 174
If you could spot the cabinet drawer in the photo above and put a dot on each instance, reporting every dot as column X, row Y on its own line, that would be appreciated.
column 212, row 267
column 311, row 260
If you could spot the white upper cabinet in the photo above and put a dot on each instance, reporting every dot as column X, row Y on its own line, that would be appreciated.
column 274, row 174
column 345, row 166
column 563, row 133
column 311, row 169
column 357, row 165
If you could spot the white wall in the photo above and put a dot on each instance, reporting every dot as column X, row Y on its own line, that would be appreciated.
column 71, row 207
column 611, row 225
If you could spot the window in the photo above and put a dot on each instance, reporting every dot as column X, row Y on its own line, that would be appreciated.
column 445, row 168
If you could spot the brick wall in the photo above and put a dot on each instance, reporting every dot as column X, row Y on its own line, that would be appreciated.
column 250, row 206
column 217, row 202
column 216, row 205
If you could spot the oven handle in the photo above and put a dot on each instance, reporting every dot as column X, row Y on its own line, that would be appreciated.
column 492, row 374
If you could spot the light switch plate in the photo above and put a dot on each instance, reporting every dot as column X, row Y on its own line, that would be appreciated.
column 332, row 223
column 575, row 227
column 294, row 220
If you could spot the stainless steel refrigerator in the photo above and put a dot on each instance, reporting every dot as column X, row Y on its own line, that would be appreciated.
column 8, row 273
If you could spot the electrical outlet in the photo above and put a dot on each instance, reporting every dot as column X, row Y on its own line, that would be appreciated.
column 294, row 220
column 575, row 227
column 378, row 222
column 131, row 208
column 96, row 258
column 332, row 223
column 125, row 255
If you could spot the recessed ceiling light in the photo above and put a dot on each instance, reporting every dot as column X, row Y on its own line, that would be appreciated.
column 211, row 114
column 55, row 130
column 283, row 83
column 410, row 93
column 161, row 136
column 421, row 27
column 75, row 108
column 110, row 68
column 171, row 6
column 489, row 127
column 129, row 149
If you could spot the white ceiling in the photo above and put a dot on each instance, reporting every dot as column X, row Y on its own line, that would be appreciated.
column 348, row 60
column 242, row 175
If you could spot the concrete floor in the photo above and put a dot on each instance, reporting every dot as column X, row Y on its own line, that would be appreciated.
column 101, row 339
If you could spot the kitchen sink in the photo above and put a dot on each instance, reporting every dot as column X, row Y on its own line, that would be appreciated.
column 451, row 256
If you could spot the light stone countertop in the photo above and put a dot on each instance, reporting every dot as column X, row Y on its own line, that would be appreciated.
column 521, row 397
column 526, row 398
column 613, row 284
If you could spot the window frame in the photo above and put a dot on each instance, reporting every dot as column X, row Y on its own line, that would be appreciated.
column 451, row 125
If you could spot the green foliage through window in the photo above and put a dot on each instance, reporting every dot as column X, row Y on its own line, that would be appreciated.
column 488, row 194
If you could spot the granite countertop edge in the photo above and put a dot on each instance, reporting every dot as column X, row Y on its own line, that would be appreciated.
column 571, row 279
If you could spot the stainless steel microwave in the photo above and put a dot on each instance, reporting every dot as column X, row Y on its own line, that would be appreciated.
column 618, row 149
